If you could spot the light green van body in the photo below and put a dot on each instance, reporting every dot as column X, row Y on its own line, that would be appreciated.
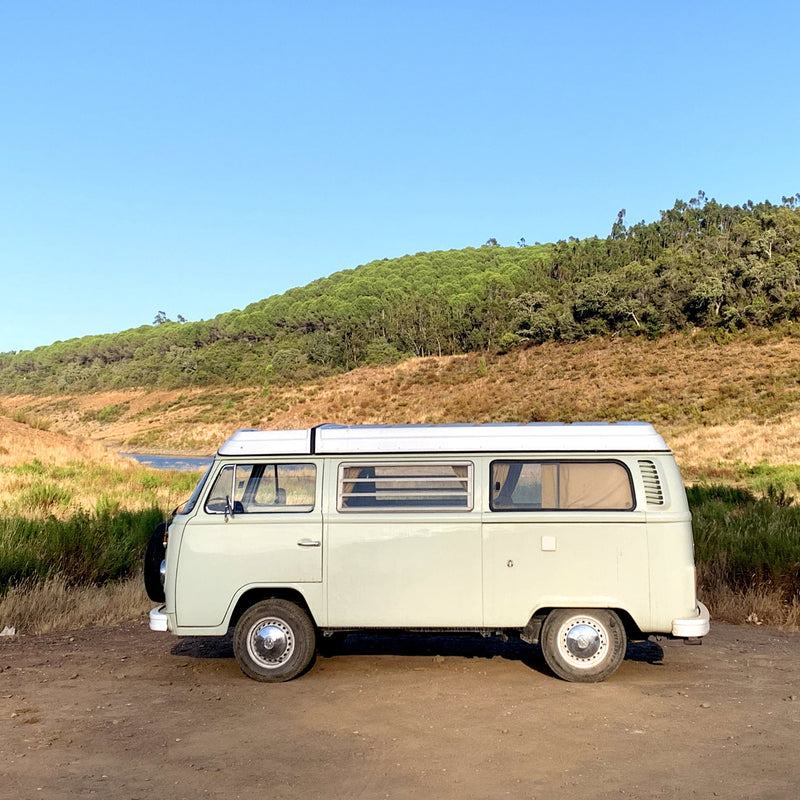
column 477, row 567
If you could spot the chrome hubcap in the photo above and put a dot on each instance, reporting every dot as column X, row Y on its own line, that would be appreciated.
column 270, row 642
column 583, row 642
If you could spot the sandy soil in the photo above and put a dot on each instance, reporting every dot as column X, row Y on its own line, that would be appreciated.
column 127, row 713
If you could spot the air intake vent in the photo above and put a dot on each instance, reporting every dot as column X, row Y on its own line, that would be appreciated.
column 652, row 484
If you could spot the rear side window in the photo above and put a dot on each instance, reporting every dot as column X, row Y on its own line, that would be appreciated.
column 560, row 486
column 263, row 488
column 405, row 487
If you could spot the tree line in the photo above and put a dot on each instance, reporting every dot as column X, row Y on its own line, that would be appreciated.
column 701, row 264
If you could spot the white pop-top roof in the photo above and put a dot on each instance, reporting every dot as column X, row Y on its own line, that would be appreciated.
column 533, row 437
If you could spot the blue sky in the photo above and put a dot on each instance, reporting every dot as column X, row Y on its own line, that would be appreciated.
column 193, row 157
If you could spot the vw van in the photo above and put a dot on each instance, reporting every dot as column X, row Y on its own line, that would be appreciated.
column 576, row 537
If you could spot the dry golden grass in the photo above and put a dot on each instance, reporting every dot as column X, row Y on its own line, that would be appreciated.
column 89, row 488
column 757, row 605
column 64, row 474
column 20, row 443
column 55, row 606
column 737, row 402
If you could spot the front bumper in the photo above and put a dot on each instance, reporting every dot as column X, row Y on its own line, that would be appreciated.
column 691, row 627
column 158, row 619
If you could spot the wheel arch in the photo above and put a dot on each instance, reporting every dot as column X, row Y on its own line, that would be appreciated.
column 532, row 631
column 257, row 594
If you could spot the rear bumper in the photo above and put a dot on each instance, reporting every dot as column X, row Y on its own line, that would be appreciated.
column 158, row 619
column 691, row 627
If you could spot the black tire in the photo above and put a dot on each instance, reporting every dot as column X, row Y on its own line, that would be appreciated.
column 153, row 556
column 274, row 641
column 583, row 645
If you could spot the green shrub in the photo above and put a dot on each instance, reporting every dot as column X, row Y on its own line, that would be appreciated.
column 108, row 414
column 776, row 482
column 44, row 498
column 35, row 467
column 150, row 481
column 84, row 549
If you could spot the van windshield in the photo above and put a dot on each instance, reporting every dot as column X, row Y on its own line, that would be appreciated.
column 189, row 505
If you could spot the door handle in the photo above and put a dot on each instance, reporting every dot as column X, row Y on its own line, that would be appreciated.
column 308, row 543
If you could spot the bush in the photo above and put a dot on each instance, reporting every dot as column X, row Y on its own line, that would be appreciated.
column 44, row 498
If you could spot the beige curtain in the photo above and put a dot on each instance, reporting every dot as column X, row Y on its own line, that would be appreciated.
column 550, row 483
column 348, row 486
column 500, row 472
column 603, row 485
column 462, row 472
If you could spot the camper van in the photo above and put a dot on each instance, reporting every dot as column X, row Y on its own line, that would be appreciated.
column 576, row 537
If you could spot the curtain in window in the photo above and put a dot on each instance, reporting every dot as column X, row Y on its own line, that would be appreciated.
column 594, row 486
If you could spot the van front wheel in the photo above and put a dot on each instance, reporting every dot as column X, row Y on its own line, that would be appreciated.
column 153, row 556
column 274, row 641
column 583, row 645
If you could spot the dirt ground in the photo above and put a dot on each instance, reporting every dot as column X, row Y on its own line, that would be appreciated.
column 128, row 713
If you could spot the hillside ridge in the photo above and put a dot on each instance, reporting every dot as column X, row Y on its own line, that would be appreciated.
column 730, row 402
column 701, row 265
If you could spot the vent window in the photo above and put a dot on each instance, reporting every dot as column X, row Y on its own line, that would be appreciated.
column 652, row 483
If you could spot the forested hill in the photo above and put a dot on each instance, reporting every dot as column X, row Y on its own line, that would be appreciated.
column 701, row 264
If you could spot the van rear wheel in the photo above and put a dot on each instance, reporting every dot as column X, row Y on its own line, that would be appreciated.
column 583, row 645
column 274, row 641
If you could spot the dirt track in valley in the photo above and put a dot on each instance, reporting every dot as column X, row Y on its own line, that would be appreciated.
column 127, row 713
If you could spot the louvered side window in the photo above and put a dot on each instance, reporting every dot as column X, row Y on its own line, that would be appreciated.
column 652, row 483
column 405, row 487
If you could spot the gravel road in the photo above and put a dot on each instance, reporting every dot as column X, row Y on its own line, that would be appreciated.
column 127, row 713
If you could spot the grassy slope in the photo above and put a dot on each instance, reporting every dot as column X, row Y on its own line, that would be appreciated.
column 719, row 406
column 73, row 514
column 49, row 473
column 716, row 404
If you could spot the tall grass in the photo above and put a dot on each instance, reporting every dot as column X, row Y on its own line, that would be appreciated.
column 85, row 549
column 73, row 527
column 56, row 605
column 777, row 482
column 37, row 489
column 747, row 550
